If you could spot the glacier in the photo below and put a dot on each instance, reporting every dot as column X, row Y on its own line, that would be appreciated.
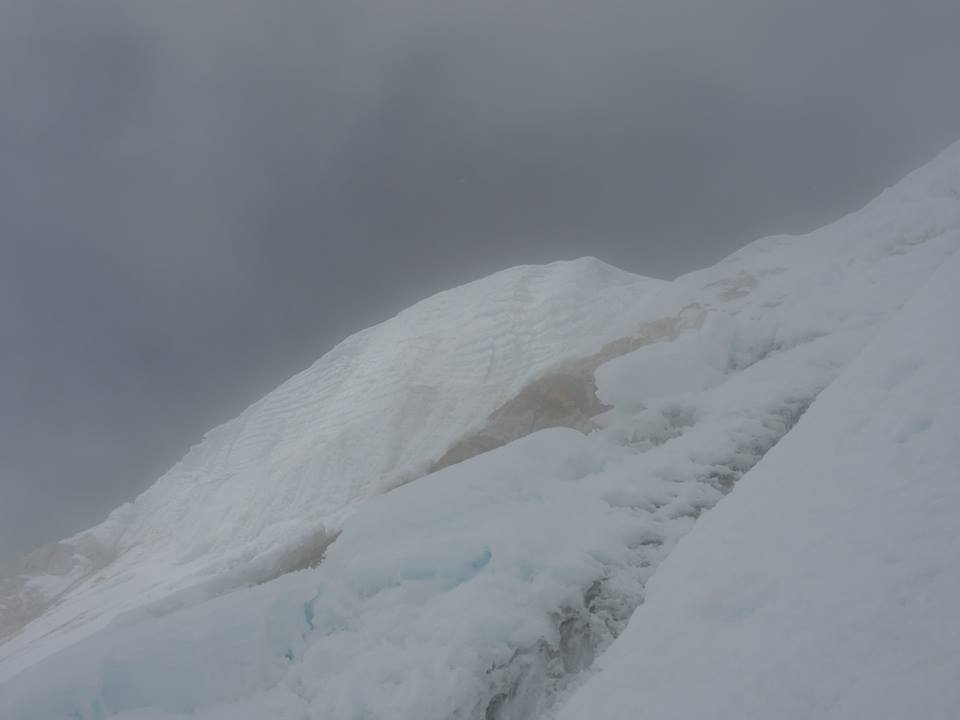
column 265, row 493
column 490, row 507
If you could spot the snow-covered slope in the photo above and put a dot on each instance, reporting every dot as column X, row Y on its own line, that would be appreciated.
column 486, row 589
column 828, row 584
column 266, row 492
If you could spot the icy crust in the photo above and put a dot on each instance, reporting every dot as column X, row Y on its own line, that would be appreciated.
column 827, row 585
column 265, row 493
column 485, row 589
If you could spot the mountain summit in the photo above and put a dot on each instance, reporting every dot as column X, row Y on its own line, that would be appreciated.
column 470, row 509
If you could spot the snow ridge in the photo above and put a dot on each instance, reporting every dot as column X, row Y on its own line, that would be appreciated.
column 827, row 584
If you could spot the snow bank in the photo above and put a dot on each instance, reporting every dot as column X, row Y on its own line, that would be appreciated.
column 828, row 584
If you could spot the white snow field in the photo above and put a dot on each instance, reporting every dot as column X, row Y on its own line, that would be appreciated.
column 492, row 588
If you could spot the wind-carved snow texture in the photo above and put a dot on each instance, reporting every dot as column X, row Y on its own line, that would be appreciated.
column 486, row 589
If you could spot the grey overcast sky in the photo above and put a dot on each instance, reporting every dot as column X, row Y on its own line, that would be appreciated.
column 199, row 197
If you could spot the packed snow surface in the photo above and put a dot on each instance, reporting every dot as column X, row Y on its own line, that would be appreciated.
column 487, row 590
